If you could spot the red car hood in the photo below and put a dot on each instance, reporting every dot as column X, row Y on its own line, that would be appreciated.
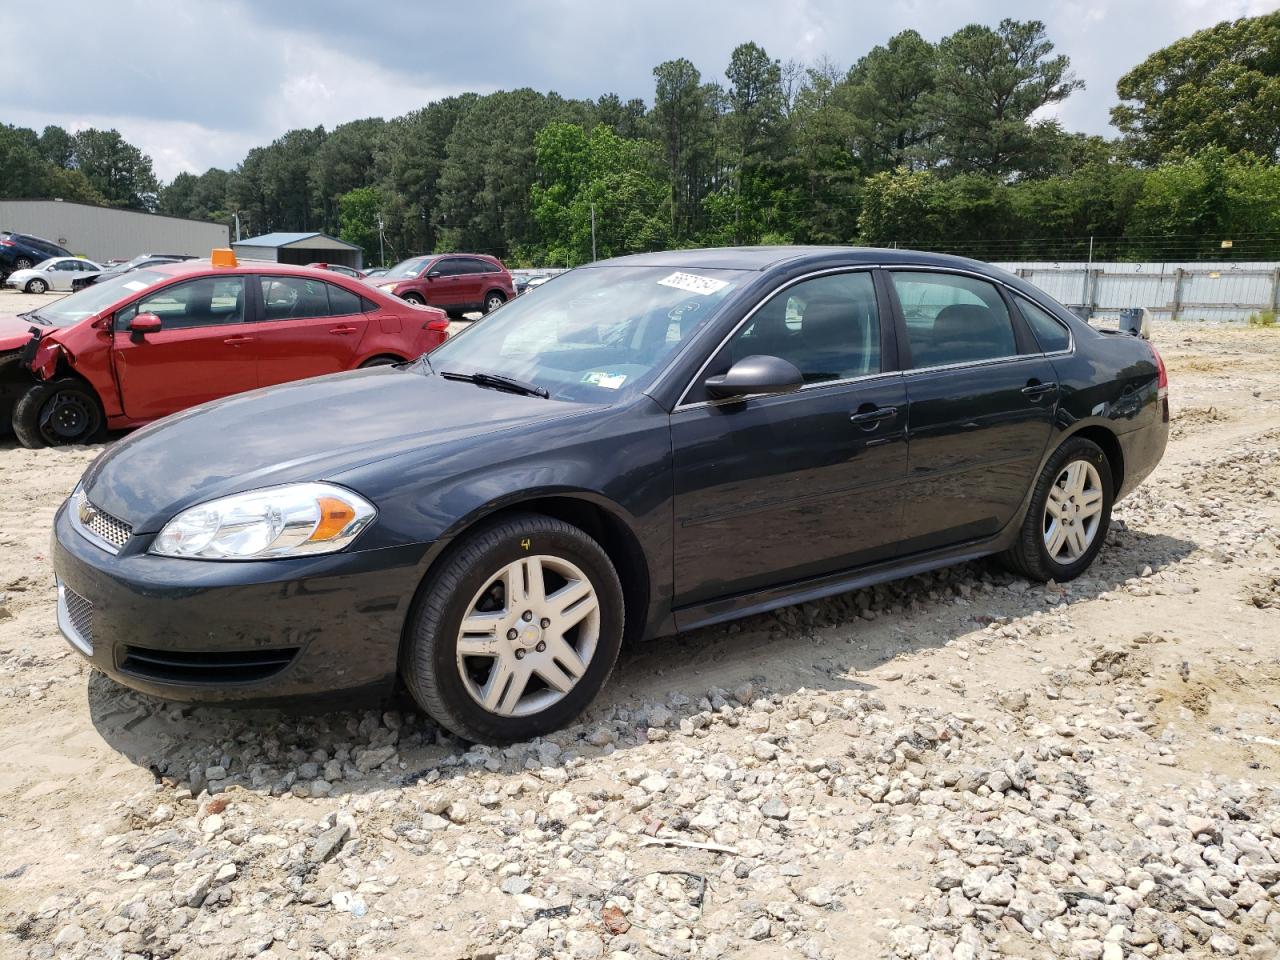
column 15, row 331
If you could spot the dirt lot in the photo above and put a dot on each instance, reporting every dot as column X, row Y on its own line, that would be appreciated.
column 957, row 766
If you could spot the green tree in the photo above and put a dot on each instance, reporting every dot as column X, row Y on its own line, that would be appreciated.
column 886, row 95
column 358, row 212
column 25, row 171
column 683, row 118
column 202, row 197
column 348, row 158
column 989, row 83
column 1219, row 87
column 116, row 169
column 57, row 147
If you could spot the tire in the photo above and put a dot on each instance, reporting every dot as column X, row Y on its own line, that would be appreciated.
column 415, row 298
column 492, row 301
column 469, row 583
column 380, row 362
column 61, row 411
column 1032, row 555
column 22, row 263
column 36, row 286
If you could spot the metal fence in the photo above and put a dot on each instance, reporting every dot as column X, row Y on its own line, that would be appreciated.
column 1190, row 290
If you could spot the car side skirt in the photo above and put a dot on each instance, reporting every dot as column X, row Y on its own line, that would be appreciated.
column 745, row 605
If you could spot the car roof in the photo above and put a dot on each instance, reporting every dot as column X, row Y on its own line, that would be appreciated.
column 181, row 268
column 765, row 258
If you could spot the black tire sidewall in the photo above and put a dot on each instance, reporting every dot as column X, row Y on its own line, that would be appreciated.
column 26, row 413
column 462, row 714
column 1072, row 450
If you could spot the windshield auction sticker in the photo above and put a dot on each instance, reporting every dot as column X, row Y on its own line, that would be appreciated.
column 693, row 283
column 602, row 378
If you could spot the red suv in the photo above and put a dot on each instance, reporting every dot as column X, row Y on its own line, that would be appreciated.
column 454, row 282
column 157, row 340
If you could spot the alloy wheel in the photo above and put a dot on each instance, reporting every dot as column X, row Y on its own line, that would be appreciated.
column 1072, row 512
column 528, row 636
column 494, row 303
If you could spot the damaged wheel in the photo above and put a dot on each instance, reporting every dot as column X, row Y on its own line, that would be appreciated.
column 58, row 412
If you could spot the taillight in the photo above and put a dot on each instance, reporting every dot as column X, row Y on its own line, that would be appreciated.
column 437, row 326
column 7, row 243
column 1162, row 382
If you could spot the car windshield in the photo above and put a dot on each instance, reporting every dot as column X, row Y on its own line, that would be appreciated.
column 408, row 268
column 46, row 263
column 596, row 335
column 94, row 299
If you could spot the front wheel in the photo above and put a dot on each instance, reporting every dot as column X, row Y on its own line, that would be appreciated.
column 517, row 633
column 37, row 286
column 58, row 412
column 1069, row 515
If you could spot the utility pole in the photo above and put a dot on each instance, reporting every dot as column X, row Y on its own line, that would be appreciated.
column 382, row 256
column 237, row 216
column 593, row 233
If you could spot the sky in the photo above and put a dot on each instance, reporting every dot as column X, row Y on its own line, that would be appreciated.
column 196, row 85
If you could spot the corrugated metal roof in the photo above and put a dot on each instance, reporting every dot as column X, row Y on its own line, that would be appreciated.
column 284, row 240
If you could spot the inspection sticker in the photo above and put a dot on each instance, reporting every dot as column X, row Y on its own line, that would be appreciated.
column 602, row 378
column 693, row 283
column 136, row 285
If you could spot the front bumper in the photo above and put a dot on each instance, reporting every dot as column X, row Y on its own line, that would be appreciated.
column 235, row 631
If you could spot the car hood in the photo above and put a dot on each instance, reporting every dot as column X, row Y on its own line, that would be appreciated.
column 19, row 276
column 14, row 331
column 307, row 430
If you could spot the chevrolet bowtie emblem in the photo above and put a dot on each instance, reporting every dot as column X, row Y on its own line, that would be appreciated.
column 88, row 512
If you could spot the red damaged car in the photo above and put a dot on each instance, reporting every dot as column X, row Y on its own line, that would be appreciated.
column 149, row 343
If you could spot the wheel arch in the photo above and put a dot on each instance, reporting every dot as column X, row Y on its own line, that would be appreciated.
column 381, row 355
column 588, row 513
column 1110, row 444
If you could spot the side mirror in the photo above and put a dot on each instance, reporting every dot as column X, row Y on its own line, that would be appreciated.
column 143, row 324
column 756, row 374
column 433, row 274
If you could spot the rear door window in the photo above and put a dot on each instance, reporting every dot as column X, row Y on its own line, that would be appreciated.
column 952, row 318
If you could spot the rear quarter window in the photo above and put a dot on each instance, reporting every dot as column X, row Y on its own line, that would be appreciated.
column 1051, row 333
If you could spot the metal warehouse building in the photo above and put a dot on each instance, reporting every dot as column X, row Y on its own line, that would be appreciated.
column 300, row 248
column 107, row 233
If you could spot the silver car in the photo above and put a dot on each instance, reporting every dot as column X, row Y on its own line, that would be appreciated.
column 56, row 273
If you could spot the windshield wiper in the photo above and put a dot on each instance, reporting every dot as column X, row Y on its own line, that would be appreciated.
column 33, row 315
column 498, row 382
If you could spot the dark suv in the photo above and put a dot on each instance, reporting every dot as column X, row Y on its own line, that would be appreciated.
column 21, row 251
column 454, row 282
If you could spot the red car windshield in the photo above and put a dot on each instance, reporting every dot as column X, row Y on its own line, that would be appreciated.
column 94, row 299
column 407, row 269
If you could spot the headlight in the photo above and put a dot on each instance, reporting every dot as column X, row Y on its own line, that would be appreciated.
column 294, row 520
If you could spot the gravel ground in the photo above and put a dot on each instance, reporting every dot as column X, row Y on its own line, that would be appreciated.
column 961, row 765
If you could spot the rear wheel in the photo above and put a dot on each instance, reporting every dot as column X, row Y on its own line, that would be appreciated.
column 23, row 263
column 415, row 298
column 36, row 286
column 380, row 362
column 517, row 632
column 493, row 300
column 1070, row 512
column 58, row 412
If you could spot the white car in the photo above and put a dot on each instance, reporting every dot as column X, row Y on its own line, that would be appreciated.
column 56, row 273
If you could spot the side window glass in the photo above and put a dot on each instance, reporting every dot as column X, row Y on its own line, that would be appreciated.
column 294, row 298
column 829, row 327
column 952, row 318
column 1050, row 332
column 342, row 301
column 446, row 268
column 207, row 302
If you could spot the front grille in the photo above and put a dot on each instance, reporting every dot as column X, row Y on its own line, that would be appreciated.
column 98, row 525
column 79, row 613
column 181, row 666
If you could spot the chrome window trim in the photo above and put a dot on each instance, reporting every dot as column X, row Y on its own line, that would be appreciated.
column 856, row 268
column 890, row 268
column 883, row 375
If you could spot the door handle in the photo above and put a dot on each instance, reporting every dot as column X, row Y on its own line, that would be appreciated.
column 340, row 331
column 873, row 417
column 237, row 340
column 1036, row 390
